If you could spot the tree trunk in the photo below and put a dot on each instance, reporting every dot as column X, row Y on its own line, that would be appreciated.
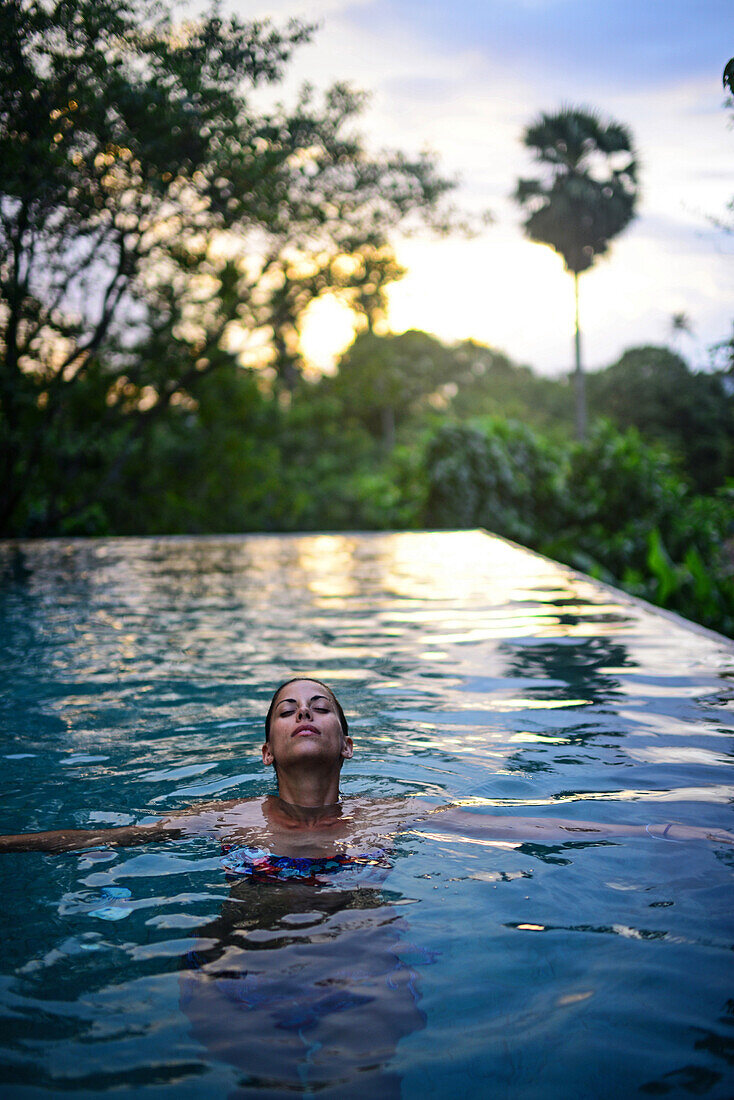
column 579, row 380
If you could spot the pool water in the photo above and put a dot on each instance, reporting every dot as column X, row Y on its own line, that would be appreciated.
column 135, row 674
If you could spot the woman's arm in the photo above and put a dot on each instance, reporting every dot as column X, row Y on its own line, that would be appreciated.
column 196, row 820
column 69, row 840
column 481, row 826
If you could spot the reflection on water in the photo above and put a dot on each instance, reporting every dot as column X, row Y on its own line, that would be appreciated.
column 135, row 677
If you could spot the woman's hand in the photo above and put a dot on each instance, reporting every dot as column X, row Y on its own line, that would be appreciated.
column 680, row 833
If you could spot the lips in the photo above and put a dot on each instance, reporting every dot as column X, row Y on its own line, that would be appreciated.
column 305, row 729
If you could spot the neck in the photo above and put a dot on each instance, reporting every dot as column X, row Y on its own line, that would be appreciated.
column 309, row 792
column 284, row 813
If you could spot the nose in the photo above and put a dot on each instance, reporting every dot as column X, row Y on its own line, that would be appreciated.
column 304, row 711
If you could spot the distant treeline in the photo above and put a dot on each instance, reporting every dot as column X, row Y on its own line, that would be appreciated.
column 412, row 433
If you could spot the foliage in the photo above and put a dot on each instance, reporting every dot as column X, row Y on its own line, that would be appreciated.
column 239, row 460
column 613, row 506
column 617, row 490
column 488, row 383
column 149, row 212
column 396, row 385
column 211, row 466
column 653, row 390
column 698, row 580
column 502, row 477
column 588, row 191
column 722, row 356
column 384, row 380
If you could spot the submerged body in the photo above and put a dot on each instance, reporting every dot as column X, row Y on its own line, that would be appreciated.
column 302, row 980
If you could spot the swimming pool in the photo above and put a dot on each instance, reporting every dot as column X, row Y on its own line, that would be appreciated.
column 135, row 676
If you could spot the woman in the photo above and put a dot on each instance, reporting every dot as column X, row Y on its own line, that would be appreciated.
column 306, row 742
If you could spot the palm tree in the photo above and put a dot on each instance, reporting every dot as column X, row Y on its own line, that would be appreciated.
column 728, row 76
column 680, row 325
column 586, row 196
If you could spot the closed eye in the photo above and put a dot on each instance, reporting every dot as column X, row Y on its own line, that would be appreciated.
column 318, row 703
column 291, row 710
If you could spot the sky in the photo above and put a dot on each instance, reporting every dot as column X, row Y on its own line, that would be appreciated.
column 463, row 78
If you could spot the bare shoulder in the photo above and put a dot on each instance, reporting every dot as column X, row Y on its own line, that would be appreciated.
column 391, row 813
column 213, row 817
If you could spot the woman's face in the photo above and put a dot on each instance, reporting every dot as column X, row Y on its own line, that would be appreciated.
column 305, row 726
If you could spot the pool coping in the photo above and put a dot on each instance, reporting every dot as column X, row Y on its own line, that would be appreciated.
column 625, row 597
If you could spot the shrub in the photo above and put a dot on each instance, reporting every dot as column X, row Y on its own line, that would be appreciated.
column 504, row 478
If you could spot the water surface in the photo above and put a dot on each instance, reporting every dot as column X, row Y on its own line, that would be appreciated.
column 135, row 677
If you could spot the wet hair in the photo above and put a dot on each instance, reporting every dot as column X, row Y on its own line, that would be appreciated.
column 294, row 680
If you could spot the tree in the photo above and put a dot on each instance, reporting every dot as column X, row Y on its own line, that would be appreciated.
column 691, row 414
column 680, row 325
column 503, row 477
column 383, row 380
column 488, row 383
column 213, row 467
column 150, row 216
column 585, row 197
column 728, row 76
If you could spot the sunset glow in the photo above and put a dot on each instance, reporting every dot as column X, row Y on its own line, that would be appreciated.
column 463, row 80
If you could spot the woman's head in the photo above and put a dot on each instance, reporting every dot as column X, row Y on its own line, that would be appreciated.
column 297, row 680
column 306, row 732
